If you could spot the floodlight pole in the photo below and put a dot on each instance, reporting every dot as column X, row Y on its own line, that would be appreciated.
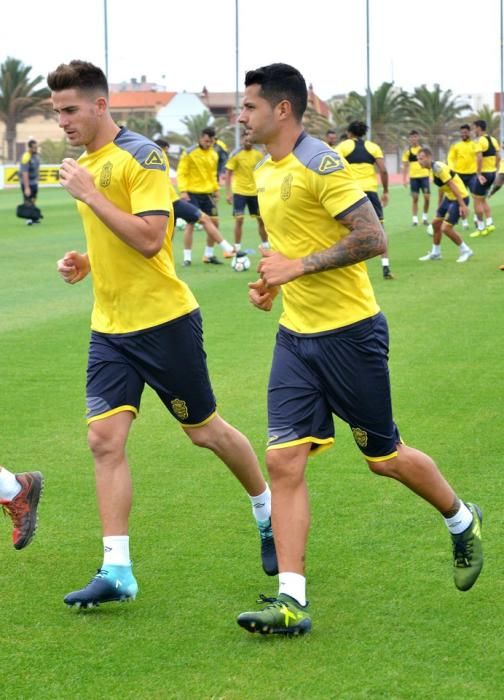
column 105, row 26
column 237, row 86
column 368, row 88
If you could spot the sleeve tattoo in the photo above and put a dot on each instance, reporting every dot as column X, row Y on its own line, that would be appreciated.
column 365, row 240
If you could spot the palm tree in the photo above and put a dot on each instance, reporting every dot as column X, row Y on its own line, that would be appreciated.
column 19, row 99
column 389, row 112
column 148, row 126
column 436, row 114
column 492, row 119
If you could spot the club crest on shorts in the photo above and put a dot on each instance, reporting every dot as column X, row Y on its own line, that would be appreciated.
column 180, row 409
column 106, row 174
column 360, row 436
column 285, row 190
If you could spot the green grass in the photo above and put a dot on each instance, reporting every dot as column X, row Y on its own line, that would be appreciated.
column 388, row 622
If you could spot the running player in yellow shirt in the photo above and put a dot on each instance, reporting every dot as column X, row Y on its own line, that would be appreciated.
column 487, row 164
column 331, row 351
column 146, row 325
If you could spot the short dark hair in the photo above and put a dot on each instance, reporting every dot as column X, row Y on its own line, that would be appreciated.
column 330, row 131
column 208, row 131
column 358, row 129
column 425, row 150
column 413, row 132
column 32, row 142
column 80, row 75
column 481, row 123
column 465, row 126
column 278, row 82
column 162, row 143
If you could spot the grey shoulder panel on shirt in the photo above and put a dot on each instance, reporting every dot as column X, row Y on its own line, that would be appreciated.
column 316, row 155
column 143, row 150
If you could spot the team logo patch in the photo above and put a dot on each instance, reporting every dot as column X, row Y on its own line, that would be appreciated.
column 106, row 174
column 360, row 437
column 153, row 159
column 285, row 190
column 330, row 163
column 180, row 409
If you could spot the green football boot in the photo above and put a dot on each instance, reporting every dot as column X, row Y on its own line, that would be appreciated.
column 282, row 615
column 468, row 552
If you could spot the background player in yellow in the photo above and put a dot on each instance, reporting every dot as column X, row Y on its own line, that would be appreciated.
column 145, row 326
column 198, row 183
column 462, row 160
column 331, row 348
column 364, row 158
column 241, row 190
column 19, row 498
column 183, row 209
column 453, row 203
column 418, row 177
column 487, row 163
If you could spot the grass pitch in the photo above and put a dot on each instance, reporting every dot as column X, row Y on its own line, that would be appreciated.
column 388, row 621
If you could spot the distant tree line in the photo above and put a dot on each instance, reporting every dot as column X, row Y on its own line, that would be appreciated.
column 435, row 113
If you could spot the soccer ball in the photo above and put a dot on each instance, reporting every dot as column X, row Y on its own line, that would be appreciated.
column 240, row 262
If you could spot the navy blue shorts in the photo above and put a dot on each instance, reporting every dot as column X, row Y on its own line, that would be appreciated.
column 205, row 202
column 480, row 190
column 170, row 358
column 243, row 201
column 467, row 179
column 419, row 184
column 377, row 205
column 449, row 210
column 182, row 209
column 344, row 373
column 33, row 190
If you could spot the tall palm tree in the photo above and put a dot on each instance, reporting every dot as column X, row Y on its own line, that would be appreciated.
column 148, row 126
column 436, row 114
column 19, row 99
column 492, row 119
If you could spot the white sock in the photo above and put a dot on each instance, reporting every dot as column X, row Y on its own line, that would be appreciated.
column 261, row 505
column 237, row 246
column 227, row 247
column 415, row 219
column 265, row 245
column 425, row 219
column 116, row 551
column 208, row 251
column 481, row 225
column 294, row 585
column 460, row 521
column 187, row 254
column 465, row 223
column 489, row 221
column 463, row 247
column 9, row 485
column 385, row 262
column 436, row 249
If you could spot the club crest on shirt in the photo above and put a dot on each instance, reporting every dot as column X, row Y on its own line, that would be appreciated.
column 180, row 409
column 360, row 436
column 106, row 174
column 285, row 190
column 330, row 163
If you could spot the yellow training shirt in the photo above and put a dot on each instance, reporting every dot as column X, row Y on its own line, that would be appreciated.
column 488, row 146
column 299, row 198
column 410, row 156
column 242, row 162
column 131, row 292
column 442, row 175
column 197, row 171
column 462, row 157
column 361, row 156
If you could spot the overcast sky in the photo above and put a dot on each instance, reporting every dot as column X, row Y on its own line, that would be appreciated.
column 190, row 43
